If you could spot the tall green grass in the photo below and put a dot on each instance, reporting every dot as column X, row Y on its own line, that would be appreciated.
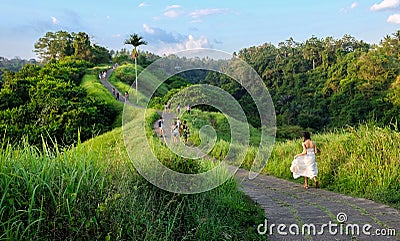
column 98, row 92
column 124, row 76
column 197, row 119
column 362, row 161
column 92, row 192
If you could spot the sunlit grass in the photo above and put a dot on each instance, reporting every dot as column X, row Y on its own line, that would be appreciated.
column 92, row 192
column 362, row 161
column 97, row 91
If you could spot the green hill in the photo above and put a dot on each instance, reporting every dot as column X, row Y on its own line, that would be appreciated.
column 92, row 191
column 361, row 161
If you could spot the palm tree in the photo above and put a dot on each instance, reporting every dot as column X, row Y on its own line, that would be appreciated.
column 135, row 40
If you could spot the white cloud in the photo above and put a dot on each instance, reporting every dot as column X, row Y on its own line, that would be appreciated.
column 54, row 20
column 116, row 35
column 207, row 11
column 108, row 17
column 163, row 42
column 158, row 35
column 385, row 4
column 143, row 4
column 173, row 6
column 189, row 43
column 347, row 9
column 173, row 13
column 395, row 18
column 148, row 29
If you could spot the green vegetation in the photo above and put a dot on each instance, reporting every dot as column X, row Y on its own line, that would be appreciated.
column 55, row 187
column 14, row 64
column 362, row 161
column 98, row 92
column 124, row 76
column 197, row 119
column 47, row 102
column 61, row 44
column 323, row 83
column 92, row 192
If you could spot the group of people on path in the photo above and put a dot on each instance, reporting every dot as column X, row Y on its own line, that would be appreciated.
column 103, row 75
column 178, row 130
column 167, row 108
column 303, row 165
column 116, row 94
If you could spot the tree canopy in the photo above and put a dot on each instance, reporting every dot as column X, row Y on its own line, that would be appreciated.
column 324, row 83
column 57, row 45
column 47, row 102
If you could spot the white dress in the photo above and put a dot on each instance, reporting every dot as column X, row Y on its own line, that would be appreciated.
column 305, row 166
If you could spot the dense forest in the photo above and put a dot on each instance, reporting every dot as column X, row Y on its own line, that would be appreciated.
column 14, row 64
column 324, row 83
column 317, row 84
column 44, row 101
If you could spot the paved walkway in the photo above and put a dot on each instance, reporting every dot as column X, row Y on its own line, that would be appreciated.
column 109, row 87
column 287, row 203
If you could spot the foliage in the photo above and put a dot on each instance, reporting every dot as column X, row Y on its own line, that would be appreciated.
column 123, row 78
column 98, row 92
column 60, row 44
column 14, row 64
column 92, row 192
column 323, row 83
column 123, row 56
column 46, row 102
column 362, row 161
column 135, row 40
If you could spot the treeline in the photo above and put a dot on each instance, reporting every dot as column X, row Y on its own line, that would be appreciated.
column 60, row 44
column 14, row 64
column 46, row 103
column 324, row 83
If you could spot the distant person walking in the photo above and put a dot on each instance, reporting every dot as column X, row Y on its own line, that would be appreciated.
column 169, row 107
column 113, row 91
column 165, row 107
column 188, row 109
column 178, row 108
column 161, row 126
column 175, row 132
column 126, row 96
column 185, row 131
column 117, row 98
column 304, row 164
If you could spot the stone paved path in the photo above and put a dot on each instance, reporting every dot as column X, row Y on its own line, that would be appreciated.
column 109, row 87
column 287, row 203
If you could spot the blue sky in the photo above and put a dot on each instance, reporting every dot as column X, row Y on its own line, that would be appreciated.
column 170, row 26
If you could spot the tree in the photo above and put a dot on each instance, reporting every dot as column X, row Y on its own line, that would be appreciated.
column 135, row 40
column 61, row 44
column 54, row 46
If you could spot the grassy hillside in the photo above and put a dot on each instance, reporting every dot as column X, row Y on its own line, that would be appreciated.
column 98, row 92
column 93, row 192
column 362, row 161
column 124, row 76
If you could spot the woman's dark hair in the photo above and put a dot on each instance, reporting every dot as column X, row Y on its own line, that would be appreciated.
column 306, row 136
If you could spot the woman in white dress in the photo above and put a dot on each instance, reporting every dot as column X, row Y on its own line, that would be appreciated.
column 304, row 164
